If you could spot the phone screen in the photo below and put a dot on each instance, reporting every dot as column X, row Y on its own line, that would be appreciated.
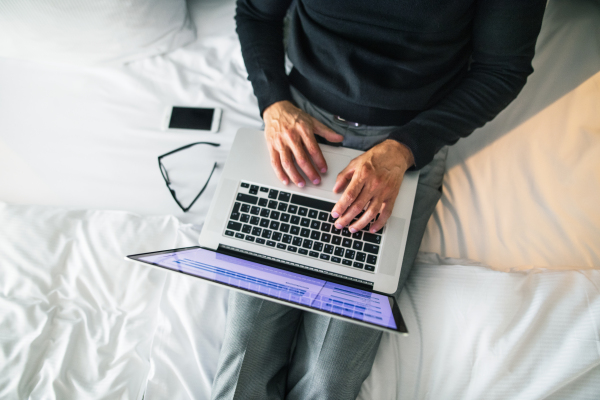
column 191, row 118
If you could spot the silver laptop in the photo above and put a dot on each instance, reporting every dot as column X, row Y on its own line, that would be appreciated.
column 280, row 242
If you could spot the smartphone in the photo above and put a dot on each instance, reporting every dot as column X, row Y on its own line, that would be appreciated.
column 204, row 119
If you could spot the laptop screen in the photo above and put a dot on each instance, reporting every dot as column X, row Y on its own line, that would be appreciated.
column 305, row 291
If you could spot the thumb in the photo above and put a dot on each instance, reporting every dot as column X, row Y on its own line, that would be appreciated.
column 326, row 132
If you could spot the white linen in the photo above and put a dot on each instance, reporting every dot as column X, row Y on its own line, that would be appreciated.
column 92, row 31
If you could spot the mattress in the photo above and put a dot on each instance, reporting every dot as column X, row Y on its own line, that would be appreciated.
column 503, row 303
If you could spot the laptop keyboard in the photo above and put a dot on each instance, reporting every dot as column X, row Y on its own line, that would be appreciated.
column 299, row 224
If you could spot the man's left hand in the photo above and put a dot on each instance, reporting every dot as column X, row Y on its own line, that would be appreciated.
column 372, row 180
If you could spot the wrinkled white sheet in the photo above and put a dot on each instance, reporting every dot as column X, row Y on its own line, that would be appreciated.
column 89, row 138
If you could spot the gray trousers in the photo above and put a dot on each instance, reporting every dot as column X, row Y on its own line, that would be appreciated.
column 331, row 358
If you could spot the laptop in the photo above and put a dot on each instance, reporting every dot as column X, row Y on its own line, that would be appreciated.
column 280, row 243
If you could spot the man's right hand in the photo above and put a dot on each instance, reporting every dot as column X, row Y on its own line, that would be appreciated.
column 290, row 134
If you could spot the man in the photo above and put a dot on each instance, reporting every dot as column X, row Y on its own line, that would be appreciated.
column 400, row 80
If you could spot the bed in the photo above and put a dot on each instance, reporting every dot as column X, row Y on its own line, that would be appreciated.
column 504, row 301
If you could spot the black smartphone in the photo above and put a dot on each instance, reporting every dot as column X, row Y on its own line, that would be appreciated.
column 204, row 119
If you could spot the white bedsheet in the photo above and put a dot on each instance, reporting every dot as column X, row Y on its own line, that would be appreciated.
column 88, row 138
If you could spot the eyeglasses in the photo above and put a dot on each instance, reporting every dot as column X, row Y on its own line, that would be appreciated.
column 165, row 174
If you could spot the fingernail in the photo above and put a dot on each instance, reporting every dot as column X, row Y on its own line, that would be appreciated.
column 301, row 184
column 316, row 181
column 338, row 226
column 334, row 214
column 373, row 231
column 323, row 170
column 285, row 182
column 352, row 230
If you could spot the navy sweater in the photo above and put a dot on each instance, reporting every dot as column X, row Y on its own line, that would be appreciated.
column 437, row 69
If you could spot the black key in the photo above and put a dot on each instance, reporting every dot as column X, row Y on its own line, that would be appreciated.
column 297, row 241
column 325, row 237
column 287, row 239
column 265, row 212
column 331, row 219
column 239, row 235
column 274, row 214
column 336, row 259
column 282, row 207
column 229, row 233
column 236, row 206
column 358, row 265
column 372, row 238
column 295, row 230
column 260, row 241
column 281, row 246
column 295, row 220
column 318, row 246
column 250, row 238
column 245, row 218
column 325, row 227
column 357, row 235
column 273, row 194
column 324, row 257
column 315, row 235
column 313, row 214
column 262, row 202
column 276, row 236
column 315, row 224
column 305, row 232
column 256, row 231
column 313, row 254
column 255, row 210
column 284, row 217
column 371, row 248
column 234, row 216
column 366, row 228
column 246, row 198
column 266, row 234
column 292, row 209
column 349, row 254
column 253, row 189
column 245, row 185
column 335, row 230
column 305, row 222
column 346, row 232
column 254, row 220
column 292, row 248
column 369, row 267
column 307, row 244
column 272, row 204
column 274, row 225
column 236, row 226
column 302, row 211
column 264, row 223
column 323, row 216
column 303, row 251
column 347, row 242
column 283, row 196
column 271, row 243
column 284, row 228
column 357, row 245
column 339, row 251
column 247, row 228
column 336, row 240
column 328, row 249
column 264, row 189
column 312, row 203
column 372, row 259
column 361, row 257
column 347, row 262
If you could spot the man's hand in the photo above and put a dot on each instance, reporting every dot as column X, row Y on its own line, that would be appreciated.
column 373, row 180
column 290, row 134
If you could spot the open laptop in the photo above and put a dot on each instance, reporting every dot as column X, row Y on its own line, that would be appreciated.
column 279, row 242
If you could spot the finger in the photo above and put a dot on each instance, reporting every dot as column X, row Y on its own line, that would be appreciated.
column 304, row 163
column 287, row 162
column 350, row 195
column 343, row 179
column 370, row 213
column 311, row 145
column 356, row 208
column 326, row 133
column 276, row 163
column 384, row 215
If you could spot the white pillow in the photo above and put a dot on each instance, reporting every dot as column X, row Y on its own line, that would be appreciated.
column 92, row 31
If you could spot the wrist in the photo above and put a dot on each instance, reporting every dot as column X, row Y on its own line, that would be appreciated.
column 403, row 151
column 276, row 107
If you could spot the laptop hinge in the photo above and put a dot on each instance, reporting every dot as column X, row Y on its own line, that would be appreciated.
column 296, row 267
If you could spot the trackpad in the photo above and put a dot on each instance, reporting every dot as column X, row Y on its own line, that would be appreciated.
column 335, row 164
